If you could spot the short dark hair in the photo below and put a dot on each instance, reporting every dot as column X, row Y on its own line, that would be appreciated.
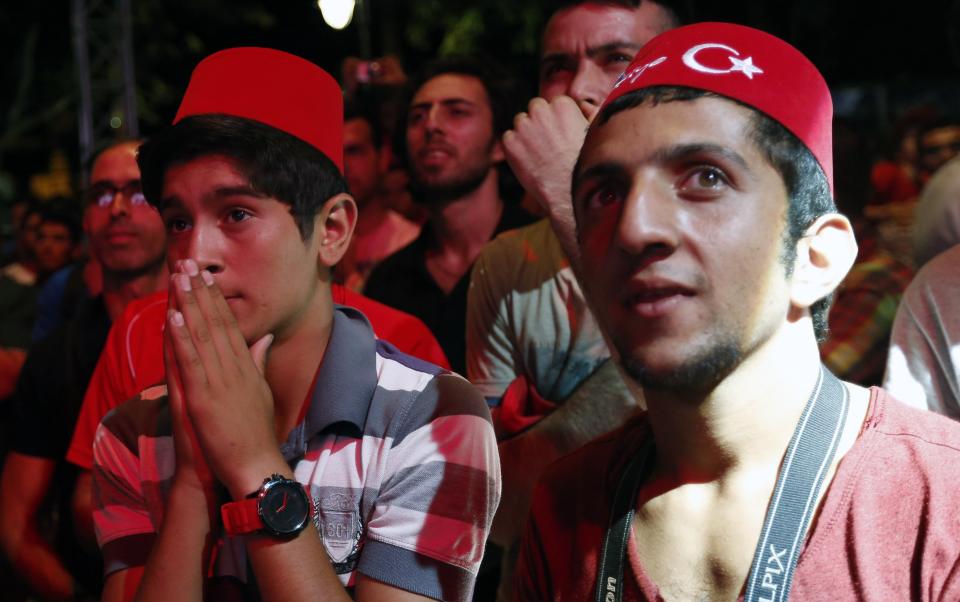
column 678, row 12
column 499, row 86
column 808, row 191
column 277, row 164
column 502, row 94
column 937, row 123
column 32, row 206
column 358, row 110
column 64, row 211
column 103, row 147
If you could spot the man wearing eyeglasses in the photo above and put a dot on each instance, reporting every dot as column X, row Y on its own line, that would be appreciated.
column 127, row 239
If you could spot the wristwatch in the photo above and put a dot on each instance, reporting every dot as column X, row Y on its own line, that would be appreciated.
column 281, row 508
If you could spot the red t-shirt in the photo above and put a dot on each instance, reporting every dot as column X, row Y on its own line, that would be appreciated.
column 132, row 358
column 889, row 528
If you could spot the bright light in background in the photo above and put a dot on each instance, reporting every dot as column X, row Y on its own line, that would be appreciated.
column 337, row 13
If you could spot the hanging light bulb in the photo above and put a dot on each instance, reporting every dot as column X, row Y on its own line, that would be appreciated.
column 337, row 13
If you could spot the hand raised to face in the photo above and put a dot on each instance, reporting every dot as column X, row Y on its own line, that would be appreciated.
column 225, row 398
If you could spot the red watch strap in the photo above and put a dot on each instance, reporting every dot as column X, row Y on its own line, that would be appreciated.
column 241, row 517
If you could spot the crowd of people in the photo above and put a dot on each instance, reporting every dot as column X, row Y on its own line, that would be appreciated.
column 640, row 337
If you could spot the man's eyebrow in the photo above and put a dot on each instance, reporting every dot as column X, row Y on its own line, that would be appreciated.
column 592, row 51
column 169, row 202
column 447, row 102
column 556, row 57
column 111, row 183
column 681, row 152
column 611, row 46
column 599, row 170
column 174, row 202
column 672, row 154
column 242, row 190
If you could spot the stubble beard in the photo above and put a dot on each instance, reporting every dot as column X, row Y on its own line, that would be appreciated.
column 441, row 191
column 700, row 373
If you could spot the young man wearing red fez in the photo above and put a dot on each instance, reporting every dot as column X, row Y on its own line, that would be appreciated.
column 711, row 245
column 290, row 454
column 533, row 348
column 132, row 360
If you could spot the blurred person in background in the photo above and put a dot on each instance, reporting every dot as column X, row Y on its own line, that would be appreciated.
column 866, row 301
column 380, row 231
column 895, row 178
column 58, row 237
column 126, row 237
column 25, row 218
column 937, row 143
column 923, row 367
column 458, row 110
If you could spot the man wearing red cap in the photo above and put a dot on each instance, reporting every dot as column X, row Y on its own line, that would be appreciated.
column 710, row 246
column 290, row 454
column 534, row 350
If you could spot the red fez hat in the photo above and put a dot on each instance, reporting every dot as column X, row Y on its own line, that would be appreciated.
column 273, row 87
column 745, row 64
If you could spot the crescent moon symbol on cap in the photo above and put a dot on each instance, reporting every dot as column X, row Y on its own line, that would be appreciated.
column 690, row 58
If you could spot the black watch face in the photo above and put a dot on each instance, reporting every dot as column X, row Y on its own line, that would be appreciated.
column 284, row 508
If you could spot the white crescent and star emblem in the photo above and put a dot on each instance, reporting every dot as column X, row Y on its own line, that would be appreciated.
column 744, row 66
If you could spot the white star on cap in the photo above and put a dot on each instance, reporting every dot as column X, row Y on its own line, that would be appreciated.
column 746, row 66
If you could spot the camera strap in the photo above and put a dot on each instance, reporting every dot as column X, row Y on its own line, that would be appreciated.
column 805, row 465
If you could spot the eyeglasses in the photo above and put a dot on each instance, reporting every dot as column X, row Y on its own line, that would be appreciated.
column 102, row 194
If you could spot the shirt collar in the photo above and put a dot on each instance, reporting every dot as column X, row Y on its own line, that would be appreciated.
column 346, row 380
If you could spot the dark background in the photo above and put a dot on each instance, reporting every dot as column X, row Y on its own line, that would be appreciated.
column 877, row 57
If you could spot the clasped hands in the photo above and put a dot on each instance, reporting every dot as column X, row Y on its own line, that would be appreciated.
column 221, row 405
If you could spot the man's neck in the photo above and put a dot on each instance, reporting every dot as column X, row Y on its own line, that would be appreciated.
column 120, row 289
column 743, row 423
column 717, row 459
column 461, row 228
column 294, row 357
column 464, row 225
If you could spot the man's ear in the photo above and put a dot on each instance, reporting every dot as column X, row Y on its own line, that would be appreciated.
column 824, row 256
column 496, row 153
column 334, row 228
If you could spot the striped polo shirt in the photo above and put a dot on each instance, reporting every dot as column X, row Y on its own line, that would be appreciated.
column 399, row 457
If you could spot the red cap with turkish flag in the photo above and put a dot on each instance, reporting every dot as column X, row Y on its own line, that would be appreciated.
column 274, row 88
column 745, row 64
